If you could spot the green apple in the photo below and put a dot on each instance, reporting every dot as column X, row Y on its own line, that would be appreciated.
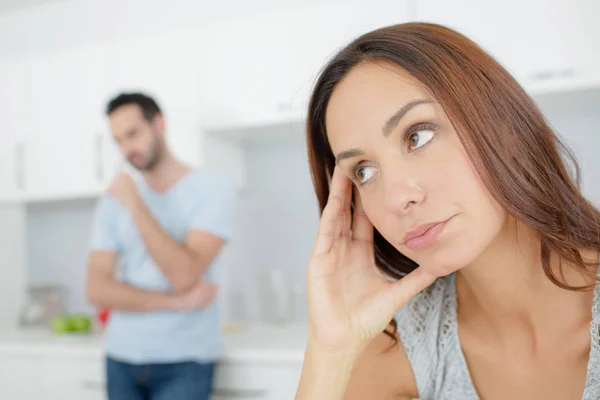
column 80, row 323
column 61, row 324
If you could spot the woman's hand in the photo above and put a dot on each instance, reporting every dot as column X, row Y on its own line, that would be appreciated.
column 350, row 302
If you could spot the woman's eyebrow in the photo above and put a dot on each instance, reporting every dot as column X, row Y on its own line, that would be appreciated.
column 394, row 120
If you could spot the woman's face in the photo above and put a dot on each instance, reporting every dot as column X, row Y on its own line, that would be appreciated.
column 416, row 182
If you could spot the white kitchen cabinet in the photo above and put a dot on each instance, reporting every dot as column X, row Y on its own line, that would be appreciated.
column 264, row 381
column 57, row 156
column 546, row 45
column 62, row 166
column 29, row 376
column 99, row 61
column 18, row 374
column 62, row 156
column 12, row 112
column 17, row 91
column 72, row 378
column 62, row 146
column 260, row 69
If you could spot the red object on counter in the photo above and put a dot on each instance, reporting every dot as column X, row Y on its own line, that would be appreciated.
column 103, row 315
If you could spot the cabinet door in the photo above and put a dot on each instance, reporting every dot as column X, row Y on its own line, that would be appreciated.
column 256, row 381
column 56, row 102
column 99, row 60
column 260, row 69
column 13, row 116
column 540, row 42
column 69, row 151
column 72, row 378
column 61, row 155
column 62, row 166
column 17, row 94
column 18, row 377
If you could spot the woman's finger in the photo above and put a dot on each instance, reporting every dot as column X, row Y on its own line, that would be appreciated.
column 341, row 188
column 385, row 303
column 362, row 229
column 332, row 221
column 328, row 226
column 400, row 292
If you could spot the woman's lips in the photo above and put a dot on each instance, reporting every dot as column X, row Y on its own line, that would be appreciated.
column 424, row 235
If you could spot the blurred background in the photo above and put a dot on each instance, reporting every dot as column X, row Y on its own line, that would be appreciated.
column 233, row 79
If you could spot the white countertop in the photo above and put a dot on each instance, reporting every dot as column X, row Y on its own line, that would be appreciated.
column 267, row 344
column 39, row 341
column 260, row 343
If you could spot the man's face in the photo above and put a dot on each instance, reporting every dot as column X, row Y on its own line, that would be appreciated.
column 140, row 140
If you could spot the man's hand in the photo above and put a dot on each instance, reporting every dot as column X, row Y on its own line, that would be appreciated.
column 124, row 190
column 199, row 296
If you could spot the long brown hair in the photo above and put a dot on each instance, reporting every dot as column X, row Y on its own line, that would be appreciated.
column 517, row 154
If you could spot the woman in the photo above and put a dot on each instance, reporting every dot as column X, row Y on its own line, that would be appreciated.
column 432, row 164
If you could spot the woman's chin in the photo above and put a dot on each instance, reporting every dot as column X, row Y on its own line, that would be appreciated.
column 442, row 266
column 441, row 270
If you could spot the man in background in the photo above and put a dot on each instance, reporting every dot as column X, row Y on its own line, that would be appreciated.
column 161, row 235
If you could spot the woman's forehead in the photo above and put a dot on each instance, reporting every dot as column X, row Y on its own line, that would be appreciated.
column 369, row 95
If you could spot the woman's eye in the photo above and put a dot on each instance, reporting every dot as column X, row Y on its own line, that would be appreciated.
column 364, row 173
column 420, row 138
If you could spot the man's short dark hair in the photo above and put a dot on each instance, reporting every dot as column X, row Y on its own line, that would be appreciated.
column 148, row 105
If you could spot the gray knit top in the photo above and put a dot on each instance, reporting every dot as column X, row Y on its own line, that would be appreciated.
column 428, row 328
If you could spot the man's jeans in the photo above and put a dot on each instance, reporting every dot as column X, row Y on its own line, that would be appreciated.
column 180, row 381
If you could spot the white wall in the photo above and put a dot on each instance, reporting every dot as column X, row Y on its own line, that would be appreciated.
column 12, row 263
column 576, row 117
column 279, row 171
column 582, row 134
column 57, row 244
column 276, row 226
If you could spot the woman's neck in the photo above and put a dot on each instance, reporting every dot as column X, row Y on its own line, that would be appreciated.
column 506, row 289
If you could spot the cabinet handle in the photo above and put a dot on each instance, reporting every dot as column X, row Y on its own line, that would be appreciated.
column 240, row 393
column 19, row 166
column 99, row 169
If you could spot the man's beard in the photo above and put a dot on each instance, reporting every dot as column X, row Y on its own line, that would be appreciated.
column 152, row 161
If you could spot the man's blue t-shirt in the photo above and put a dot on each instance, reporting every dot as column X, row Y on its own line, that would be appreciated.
column 202, row 200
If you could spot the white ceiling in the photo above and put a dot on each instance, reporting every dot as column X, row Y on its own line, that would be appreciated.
column 11, row 5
